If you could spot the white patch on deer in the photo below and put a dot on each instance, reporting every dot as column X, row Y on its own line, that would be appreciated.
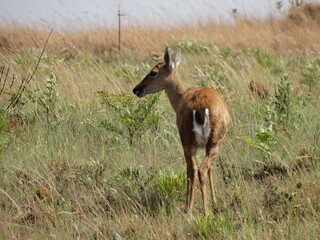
column 201, row 132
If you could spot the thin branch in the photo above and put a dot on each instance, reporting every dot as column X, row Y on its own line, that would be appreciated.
column 40, row 57
column 1, row 72
column 4, row 80
column 12, row 81
column 26, row 80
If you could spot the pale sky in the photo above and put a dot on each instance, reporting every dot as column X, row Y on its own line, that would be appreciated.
column 66, row 14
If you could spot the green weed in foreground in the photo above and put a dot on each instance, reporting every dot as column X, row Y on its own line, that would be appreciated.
column 172, row 186
column 214, row 227
column 133, row 117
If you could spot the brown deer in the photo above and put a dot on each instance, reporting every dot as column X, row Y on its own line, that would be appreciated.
column 202, row 120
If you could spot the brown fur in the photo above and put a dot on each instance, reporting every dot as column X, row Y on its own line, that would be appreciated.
column 201, row 98
column 184, row 102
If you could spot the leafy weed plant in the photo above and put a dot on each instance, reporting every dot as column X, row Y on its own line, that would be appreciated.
column 132, row 116
column 311, row 74
column 279, row 115
column 214, row 226
column 46, row 98
column 172, row 186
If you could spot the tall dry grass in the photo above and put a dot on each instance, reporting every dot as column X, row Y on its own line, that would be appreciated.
column 65, row 173
column 297, row 30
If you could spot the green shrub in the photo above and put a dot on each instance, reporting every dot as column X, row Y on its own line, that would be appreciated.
column 278, row 115
column 214, row 226
column 46, row 98
column 266, row 141
column 91, row 173
column 285, row 114
column 311, row 74
column 172, row 186
column 132, row 116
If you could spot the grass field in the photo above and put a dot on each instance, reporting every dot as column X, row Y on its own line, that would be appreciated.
column 82, row 158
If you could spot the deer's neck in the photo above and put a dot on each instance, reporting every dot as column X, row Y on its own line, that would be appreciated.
column 175, row 91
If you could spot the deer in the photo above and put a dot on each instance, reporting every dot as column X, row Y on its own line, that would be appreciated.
column 202, row 119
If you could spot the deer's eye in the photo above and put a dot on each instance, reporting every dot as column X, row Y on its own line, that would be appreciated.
column 153, row 74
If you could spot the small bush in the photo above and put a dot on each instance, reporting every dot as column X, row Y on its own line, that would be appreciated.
column 278, row 115
column 284, row 116
column 311, row 74
column 91, row 173
column 172, row 186
column 214, row 227
column 46, row 98
column 132, row 116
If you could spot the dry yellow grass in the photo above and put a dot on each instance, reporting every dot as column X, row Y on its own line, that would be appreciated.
column 65, row 173
column 298, row 30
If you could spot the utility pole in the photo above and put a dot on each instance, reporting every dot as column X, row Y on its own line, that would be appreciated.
column 120, row 14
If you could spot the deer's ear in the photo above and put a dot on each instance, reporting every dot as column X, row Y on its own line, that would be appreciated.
column 176, row 59
column 167, row 57
column 172, row 62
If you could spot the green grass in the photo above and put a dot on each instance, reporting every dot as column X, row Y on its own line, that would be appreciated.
column 106, row 181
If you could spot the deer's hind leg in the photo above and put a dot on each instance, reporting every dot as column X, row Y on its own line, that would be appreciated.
column 205, row 170
column 213, row 155
column 191, row 176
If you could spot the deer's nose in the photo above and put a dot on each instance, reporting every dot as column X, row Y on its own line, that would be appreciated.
column 140, row 92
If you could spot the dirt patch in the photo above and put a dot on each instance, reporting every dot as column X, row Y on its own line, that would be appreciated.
column 273, row 170
column 16, row 123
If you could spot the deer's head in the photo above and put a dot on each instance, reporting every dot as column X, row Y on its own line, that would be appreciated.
column 160, row 75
